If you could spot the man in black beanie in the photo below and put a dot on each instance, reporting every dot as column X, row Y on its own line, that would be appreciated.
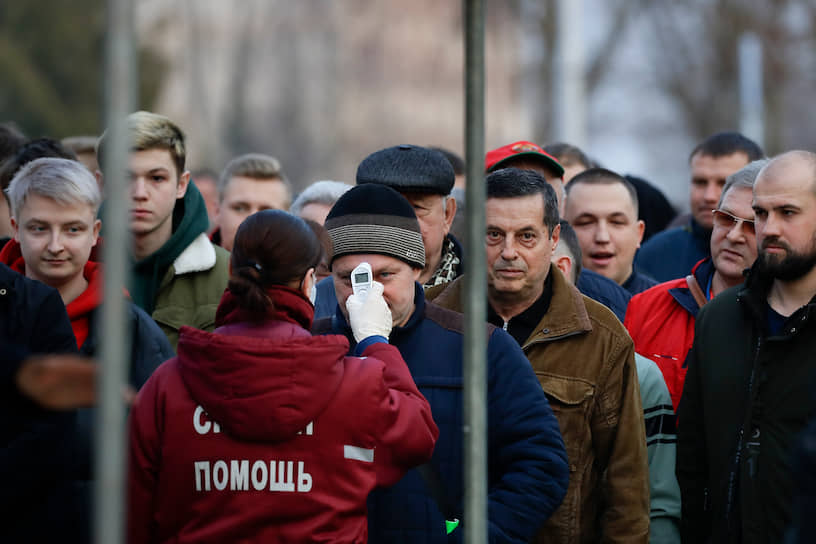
column 425, row 178
column 527, row 462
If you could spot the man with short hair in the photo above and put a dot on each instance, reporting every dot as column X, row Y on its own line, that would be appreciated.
column 527, row 469
column 582, row 355
column 602, row 208
column 671, row 254
column 178, row 275
column 315, row 201
column 249, row 183
column 749, row 389
column 658, row 416
column 661, row 319
column 54, row 203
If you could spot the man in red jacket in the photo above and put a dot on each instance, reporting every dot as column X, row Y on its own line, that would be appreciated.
column 661, row 319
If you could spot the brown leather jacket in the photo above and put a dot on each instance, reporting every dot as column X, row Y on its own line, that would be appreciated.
column 584, row 359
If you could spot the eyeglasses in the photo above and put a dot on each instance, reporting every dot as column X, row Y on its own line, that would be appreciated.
column 725, row 220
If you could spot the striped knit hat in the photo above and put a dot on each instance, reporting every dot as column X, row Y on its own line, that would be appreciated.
column 373, row 218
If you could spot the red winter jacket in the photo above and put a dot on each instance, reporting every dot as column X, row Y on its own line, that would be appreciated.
column 262, row 433
column 661, row 322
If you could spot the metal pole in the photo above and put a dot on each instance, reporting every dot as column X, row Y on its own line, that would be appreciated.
column 752, row 102
column 120, row 71
column 570, row 89
column 475, row 375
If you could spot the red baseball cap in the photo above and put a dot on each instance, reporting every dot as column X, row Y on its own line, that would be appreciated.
column 498, row 157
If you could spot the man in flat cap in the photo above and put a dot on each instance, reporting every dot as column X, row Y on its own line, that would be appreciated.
column 527, row 462
column 425, row 178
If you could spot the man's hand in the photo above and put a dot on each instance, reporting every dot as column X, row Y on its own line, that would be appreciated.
column 58, row 382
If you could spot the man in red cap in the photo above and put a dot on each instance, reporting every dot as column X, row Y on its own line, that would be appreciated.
column 529, row 156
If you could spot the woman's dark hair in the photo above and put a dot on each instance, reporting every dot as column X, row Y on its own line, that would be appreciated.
column 271, row 247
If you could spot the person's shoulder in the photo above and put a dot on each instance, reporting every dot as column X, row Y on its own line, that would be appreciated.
column 668, row 237
column 724, row 303
column 604, row 290
column 445, row 318
column 601, row 316
column 202, row 256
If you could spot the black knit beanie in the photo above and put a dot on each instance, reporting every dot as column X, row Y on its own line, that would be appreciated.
column 373, row 218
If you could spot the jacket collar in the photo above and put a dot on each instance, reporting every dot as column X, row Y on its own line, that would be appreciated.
column 753, row 295
column 567, row 315
column 196, row 257
column 702, row 271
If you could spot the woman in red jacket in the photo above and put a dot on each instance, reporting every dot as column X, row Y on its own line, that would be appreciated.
column 260, row 432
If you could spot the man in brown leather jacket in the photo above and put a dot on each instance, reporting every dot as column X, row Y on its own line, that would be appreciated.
column 582, row 355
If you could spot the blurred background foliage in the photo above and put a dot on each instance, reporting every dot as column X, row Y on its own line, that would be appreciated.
column 52, row 61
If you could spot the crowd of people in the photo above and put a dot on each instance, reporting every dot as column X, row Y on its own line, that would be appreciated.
column 648, row 376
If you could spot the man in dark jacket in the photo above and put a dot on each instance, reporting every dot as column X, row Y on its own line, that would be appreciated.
column 36, row 445
column 527, row 463
column 672, row 253
column 748, row 391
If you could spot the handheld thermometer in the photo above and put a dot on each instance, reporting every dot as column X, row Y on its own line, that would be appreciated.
column 361, row 279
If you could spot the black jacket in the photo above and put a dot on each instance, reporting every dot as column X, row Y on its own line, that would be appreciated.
column 746, row 397
column 36, row 454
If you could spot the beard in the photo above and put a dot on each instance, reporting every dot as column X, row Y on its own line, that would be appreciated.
column 792, row 266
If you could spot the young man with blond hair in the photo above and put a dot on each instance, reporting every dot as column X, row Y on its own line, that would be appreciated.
column 178, row 274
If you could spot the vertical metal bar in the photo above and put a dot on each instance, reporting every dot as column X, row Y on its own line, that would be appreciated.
column 475, row 401
column 120, row 77
column 752, row 101
column 569, row 79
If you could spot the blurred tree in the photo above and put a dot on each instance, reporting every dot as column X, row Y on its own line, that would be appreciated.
column 52, row 61
column 695, row 62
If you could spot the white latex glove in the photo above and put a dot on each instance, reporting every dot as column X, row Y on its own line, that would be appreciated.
column 369, row 315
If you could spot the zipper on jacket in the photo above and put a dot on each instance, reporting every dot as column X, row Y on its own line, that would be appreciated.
column 732, row 479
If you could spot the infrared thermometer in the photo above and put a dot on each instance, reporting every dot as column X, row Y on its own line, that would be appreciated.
column 361, row 279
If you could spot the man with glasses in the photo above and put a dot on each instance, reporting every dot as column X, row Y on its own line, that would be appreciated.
column 661, row 319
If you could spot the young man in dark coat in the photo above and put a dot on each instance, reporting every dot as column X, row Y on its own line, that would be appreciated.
column 36, row 453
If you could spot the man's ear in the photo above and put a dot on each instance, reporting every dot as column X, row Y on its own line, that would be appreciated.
column 641, row 229
column 564, row 264
column 15, row 227
column 96, row 228
column 556, row 235
column 450, row 212
column 183, row 183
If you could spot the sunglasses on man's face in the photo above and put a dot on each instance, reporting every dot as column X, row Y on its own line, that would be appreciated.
column 725, row 220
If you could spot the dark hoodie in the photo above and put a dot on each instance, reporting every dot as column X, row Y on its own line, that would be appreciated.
column 261, row 432
column 189, row 220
